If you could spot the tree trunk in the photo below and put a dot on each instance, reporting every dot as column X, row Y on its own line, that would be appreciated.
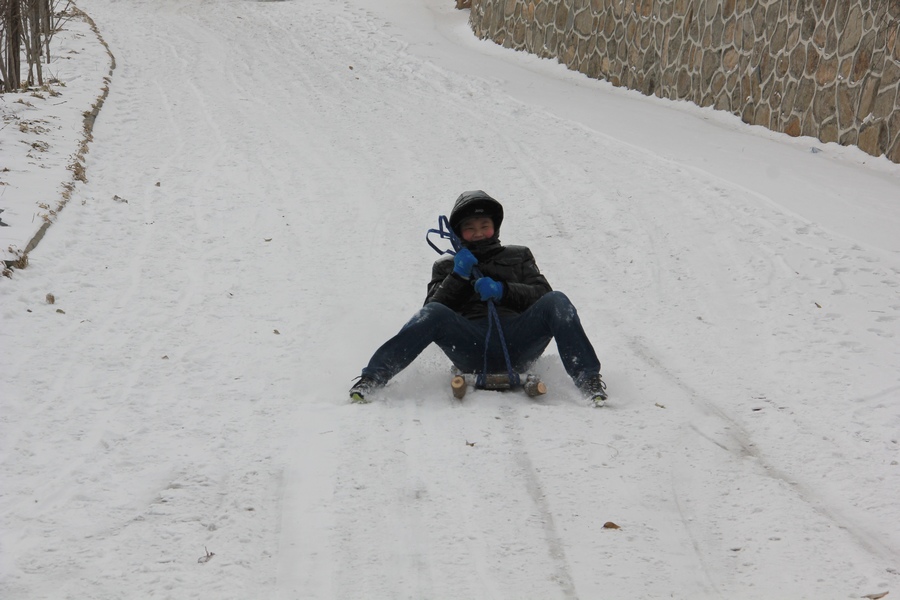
column 13, row 20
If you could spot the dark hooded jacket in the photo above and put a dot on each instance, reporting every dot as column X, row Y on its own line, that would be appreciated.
column 513, row 266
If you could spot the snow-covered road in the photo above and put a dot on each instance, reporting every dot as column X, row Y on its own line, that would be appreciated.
column 276, row 165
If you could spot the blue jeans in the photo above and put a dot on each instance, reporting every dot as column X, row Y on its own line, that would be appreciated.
column 462, row 340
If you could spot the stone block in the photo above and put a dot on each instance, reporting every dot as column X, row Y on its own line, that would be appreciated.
column 867, row 97
column 649, row 86
column 607, row 26
column 632, row 29
column 683, row 85
column 730, row 59
column 808, row 126
column 745, row 30
column 779, row 38
column 890, row 73
column 828, row 132
column 808, row 26
column 792, row 126
column 647, row 37
column 600, row 45
column 826, row 74
column 847, row 99
column 584, row 22
column 790, row 95
column 728, row 31
column 812, row 59
column 723, row 102
column 849, row 137
column 805, row 92
column 817, row 6
column 892, row 41
column 782, row 63
column 798, row 62
column 893, row 135
column 717, row 83
column 841, row 13
column 776, row 95
column 861, row 62
column 820, row 37
column 831, row 40
column 824, row 104
column 793, row 37
column 873, row 138
column 885, row 103
column 693, row 28
column 845, row 66
column 519, row 34
column 561, row 15
column 711, row 63
column 893, row 153
column 770, row 18
column 622, row 52
column 852, row 32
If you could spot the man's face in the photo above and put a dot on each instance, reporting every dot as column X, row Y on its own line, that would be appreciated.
column 474, row 229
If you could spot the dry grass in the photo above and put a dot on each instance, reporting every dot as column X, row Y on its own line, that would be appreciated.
column 76, row 166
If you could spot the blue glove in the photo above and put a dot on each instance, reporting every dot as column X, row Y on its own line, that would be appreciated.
column 463, row 263
column 489, row 289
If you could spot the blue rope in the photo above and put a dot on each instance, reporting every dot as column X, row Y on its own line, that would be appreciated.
column 446, row 232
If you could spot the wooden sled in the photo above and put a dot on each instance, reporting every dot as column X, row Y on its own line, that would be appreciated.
column 528, row 382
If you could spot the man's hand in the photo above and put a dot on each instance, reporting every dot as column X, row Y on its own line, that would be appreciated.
column 463, row 263
column 489, row 289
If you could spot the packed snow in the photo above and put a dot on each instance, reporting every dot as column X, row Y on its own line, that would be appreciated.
column 175, row 421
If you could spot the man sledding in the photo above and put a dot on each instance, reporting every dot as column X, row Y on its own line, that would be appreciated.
column 489, row 309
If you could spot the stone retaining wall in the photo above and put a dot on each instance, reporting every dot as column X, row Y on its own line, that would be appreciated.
column 823, row 68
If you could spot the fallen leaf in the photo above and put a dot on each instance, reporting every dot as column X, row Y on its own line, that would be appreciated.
column 206, row 558
column 876, row 596
column 51, row 299
column 276, row 332
column 660, row 405
column 468, row 443
column 610, row 525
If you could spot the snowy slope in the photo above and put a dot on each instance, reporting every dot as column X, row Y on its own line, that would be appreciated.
column 277, row 165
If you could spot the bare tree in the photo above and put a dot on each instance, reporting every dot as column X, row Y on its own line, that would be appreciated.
column 10, row 44
column 26, row 28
